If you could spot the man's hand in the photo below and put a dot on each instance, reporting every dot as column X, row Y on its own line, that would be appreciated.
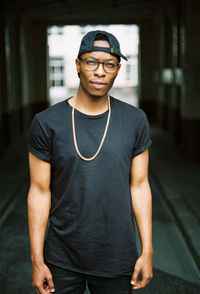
column 143, row 267
column 42, row 280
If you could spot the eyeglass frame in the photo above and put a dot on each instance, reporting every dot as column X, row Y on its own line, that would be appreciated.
column 98, row 62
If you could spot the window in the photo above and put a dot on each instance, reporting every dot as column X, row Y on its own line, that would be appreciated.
column 132, row 68
column 57, row 72
column 55, row 30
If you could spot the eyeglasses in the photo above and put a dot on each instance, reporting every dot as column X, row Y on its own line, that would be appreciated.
column 92, row 64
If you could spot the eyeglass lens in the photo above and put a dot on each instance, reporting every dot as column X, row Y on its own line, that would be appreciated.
column 92, row 64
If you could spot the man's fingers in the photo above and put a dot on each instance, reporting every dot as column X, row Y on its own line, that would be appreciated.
column 37, row 291
column 44, row 288
column 142, row 273
column 40, row 289
column 134, row 280
column 144, row 282
column 50, row 284
column 42, row 280
column 141, row 283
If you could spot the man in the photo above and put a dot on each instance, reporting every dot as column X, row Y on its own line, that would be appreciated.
column 89, row 175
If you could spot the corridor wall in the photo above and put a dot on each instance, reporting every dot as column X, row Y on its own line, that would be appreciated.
column 23, row 78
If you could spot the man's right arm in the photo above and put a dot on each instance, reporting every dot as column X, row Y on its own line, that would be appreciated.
column 39, row 203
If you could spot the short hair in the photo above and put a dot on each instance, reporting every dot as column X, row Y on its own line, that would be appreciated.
column 102, row 37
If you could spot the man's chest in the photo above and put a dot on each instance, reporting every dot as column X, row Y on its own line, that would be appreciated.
column 118, row 143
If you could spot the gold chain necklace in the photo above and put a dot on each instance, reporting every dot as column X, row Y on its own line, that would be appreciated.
column 102, row 140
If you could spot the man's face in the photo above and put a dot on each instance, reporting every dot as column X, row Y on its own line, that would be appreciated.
column 97, row 83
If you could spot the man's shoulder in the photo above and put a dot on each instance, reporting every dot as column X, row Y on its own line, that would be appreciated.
column 127, row 108
column 52, row 112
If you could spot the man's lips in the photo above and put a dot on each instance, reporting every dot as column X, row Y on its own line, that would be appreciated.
column 98, row 85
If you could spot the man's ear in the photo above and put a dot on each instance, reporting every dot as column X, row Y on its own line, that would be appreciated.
column 78, row 65
column 119, row 66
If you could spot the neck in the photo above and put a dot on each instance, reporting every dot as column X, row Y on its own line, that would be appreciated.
column 88, row 104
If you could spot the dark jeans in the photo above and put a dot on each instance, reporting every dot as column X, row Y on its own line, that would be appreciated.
column 69, row 282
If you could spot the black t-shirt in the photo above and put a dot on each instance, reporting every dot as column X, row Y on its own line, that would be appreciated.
column 91, row 218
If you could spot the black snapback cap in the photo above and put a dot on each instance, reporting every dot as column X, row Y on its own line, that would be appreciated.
column 87, row 44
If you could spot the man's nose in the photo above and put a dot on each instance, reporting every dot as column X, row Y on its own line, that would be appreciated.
column 100, row 70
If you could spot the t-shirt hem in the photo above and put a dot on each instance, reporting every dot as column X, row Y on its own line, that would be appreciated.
column 92, row 273
column 38, row 154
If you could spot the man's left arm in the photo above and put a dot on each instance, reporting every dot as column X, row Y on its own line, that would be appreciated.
column 142, row 206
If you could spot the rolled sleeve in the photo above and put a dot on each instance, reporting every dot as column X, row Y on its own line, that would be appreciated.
column 39, row 140
column 143, row 140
